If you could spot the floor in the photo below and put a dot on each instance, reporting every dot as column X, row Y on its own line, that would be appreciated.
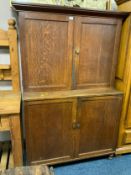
column 117, row 166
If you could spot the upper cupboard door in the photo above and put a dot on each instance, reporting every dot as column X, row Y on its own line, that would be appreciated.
column 96, row 43
column 46, row 48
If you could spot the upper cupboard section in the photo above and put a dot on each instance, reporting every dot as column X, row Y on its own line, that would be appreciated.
column 62, row 52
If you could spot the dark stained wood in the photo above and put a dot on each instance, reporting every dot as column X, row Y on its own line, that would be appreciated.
column 121, row 1
column 99, row 118
column 46, row 45
column 96, row 48
column 10, row 100
column 63, row 51
column 49, row 134
column 63, row 9
column 36, row 96
column 63, row 124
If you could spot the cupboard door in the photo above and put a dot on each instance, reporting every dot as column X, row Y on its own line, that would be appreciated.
column 49, row 134
column 99, row 121
column 96, row 42
column 46, row 49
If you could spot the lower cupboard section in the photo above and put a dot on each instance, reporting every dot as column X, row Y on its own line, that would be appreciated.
column 61, row 130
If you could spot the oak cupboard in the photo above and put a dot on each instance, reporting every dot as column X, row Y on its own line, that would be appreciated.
column 123, row 81
column 71, row 109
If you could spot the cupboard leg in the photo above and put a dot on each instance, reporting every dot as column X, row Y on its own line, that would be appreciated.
column 52, row 171
column 16, row 139
column 111, row 156
column 118, row 155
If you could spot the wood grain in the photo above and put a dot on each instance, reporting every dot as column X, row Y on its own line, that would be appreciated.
column 123, row 149
column 15, row 130
column 65, row 50
column 123, row 49
column 9, row 103
column 12, row 37
column 55, row 121
column 36, row 96
column 126, row 6
column 5, row 72
column 47, row 57
column 123, row 82
column 95, row 65
column 66, row 10
column 10, row 120
column 96, row 116
column 70, row 118
column 4, row 123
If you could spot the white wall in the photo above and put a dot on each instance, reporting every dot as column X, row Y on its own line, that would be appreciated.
column 5, row 14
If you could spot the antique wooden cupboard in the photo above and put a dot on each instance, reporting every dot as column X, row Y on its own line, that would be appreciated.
column 69, row 59
column 123, row 81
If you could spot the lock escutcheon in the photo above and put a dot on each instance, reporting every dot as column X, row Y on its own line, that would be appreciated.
column 75, row 125
column 78, row 125
column 77, row 51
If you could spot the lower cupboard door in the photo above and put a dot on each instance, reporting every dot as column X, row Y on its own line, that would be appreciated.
column 99, row 122
column 48, row 127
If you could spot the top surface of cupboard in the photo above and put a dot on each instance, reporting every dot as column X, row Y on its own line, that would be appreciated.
column 68, row 48
column 37, row 7
column 121, row 1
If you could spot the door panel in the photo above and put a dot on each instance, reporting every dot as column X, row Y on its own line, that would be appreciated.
column 46, row 48
column 49, row 134
column 99, row 120
column 96, row 41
